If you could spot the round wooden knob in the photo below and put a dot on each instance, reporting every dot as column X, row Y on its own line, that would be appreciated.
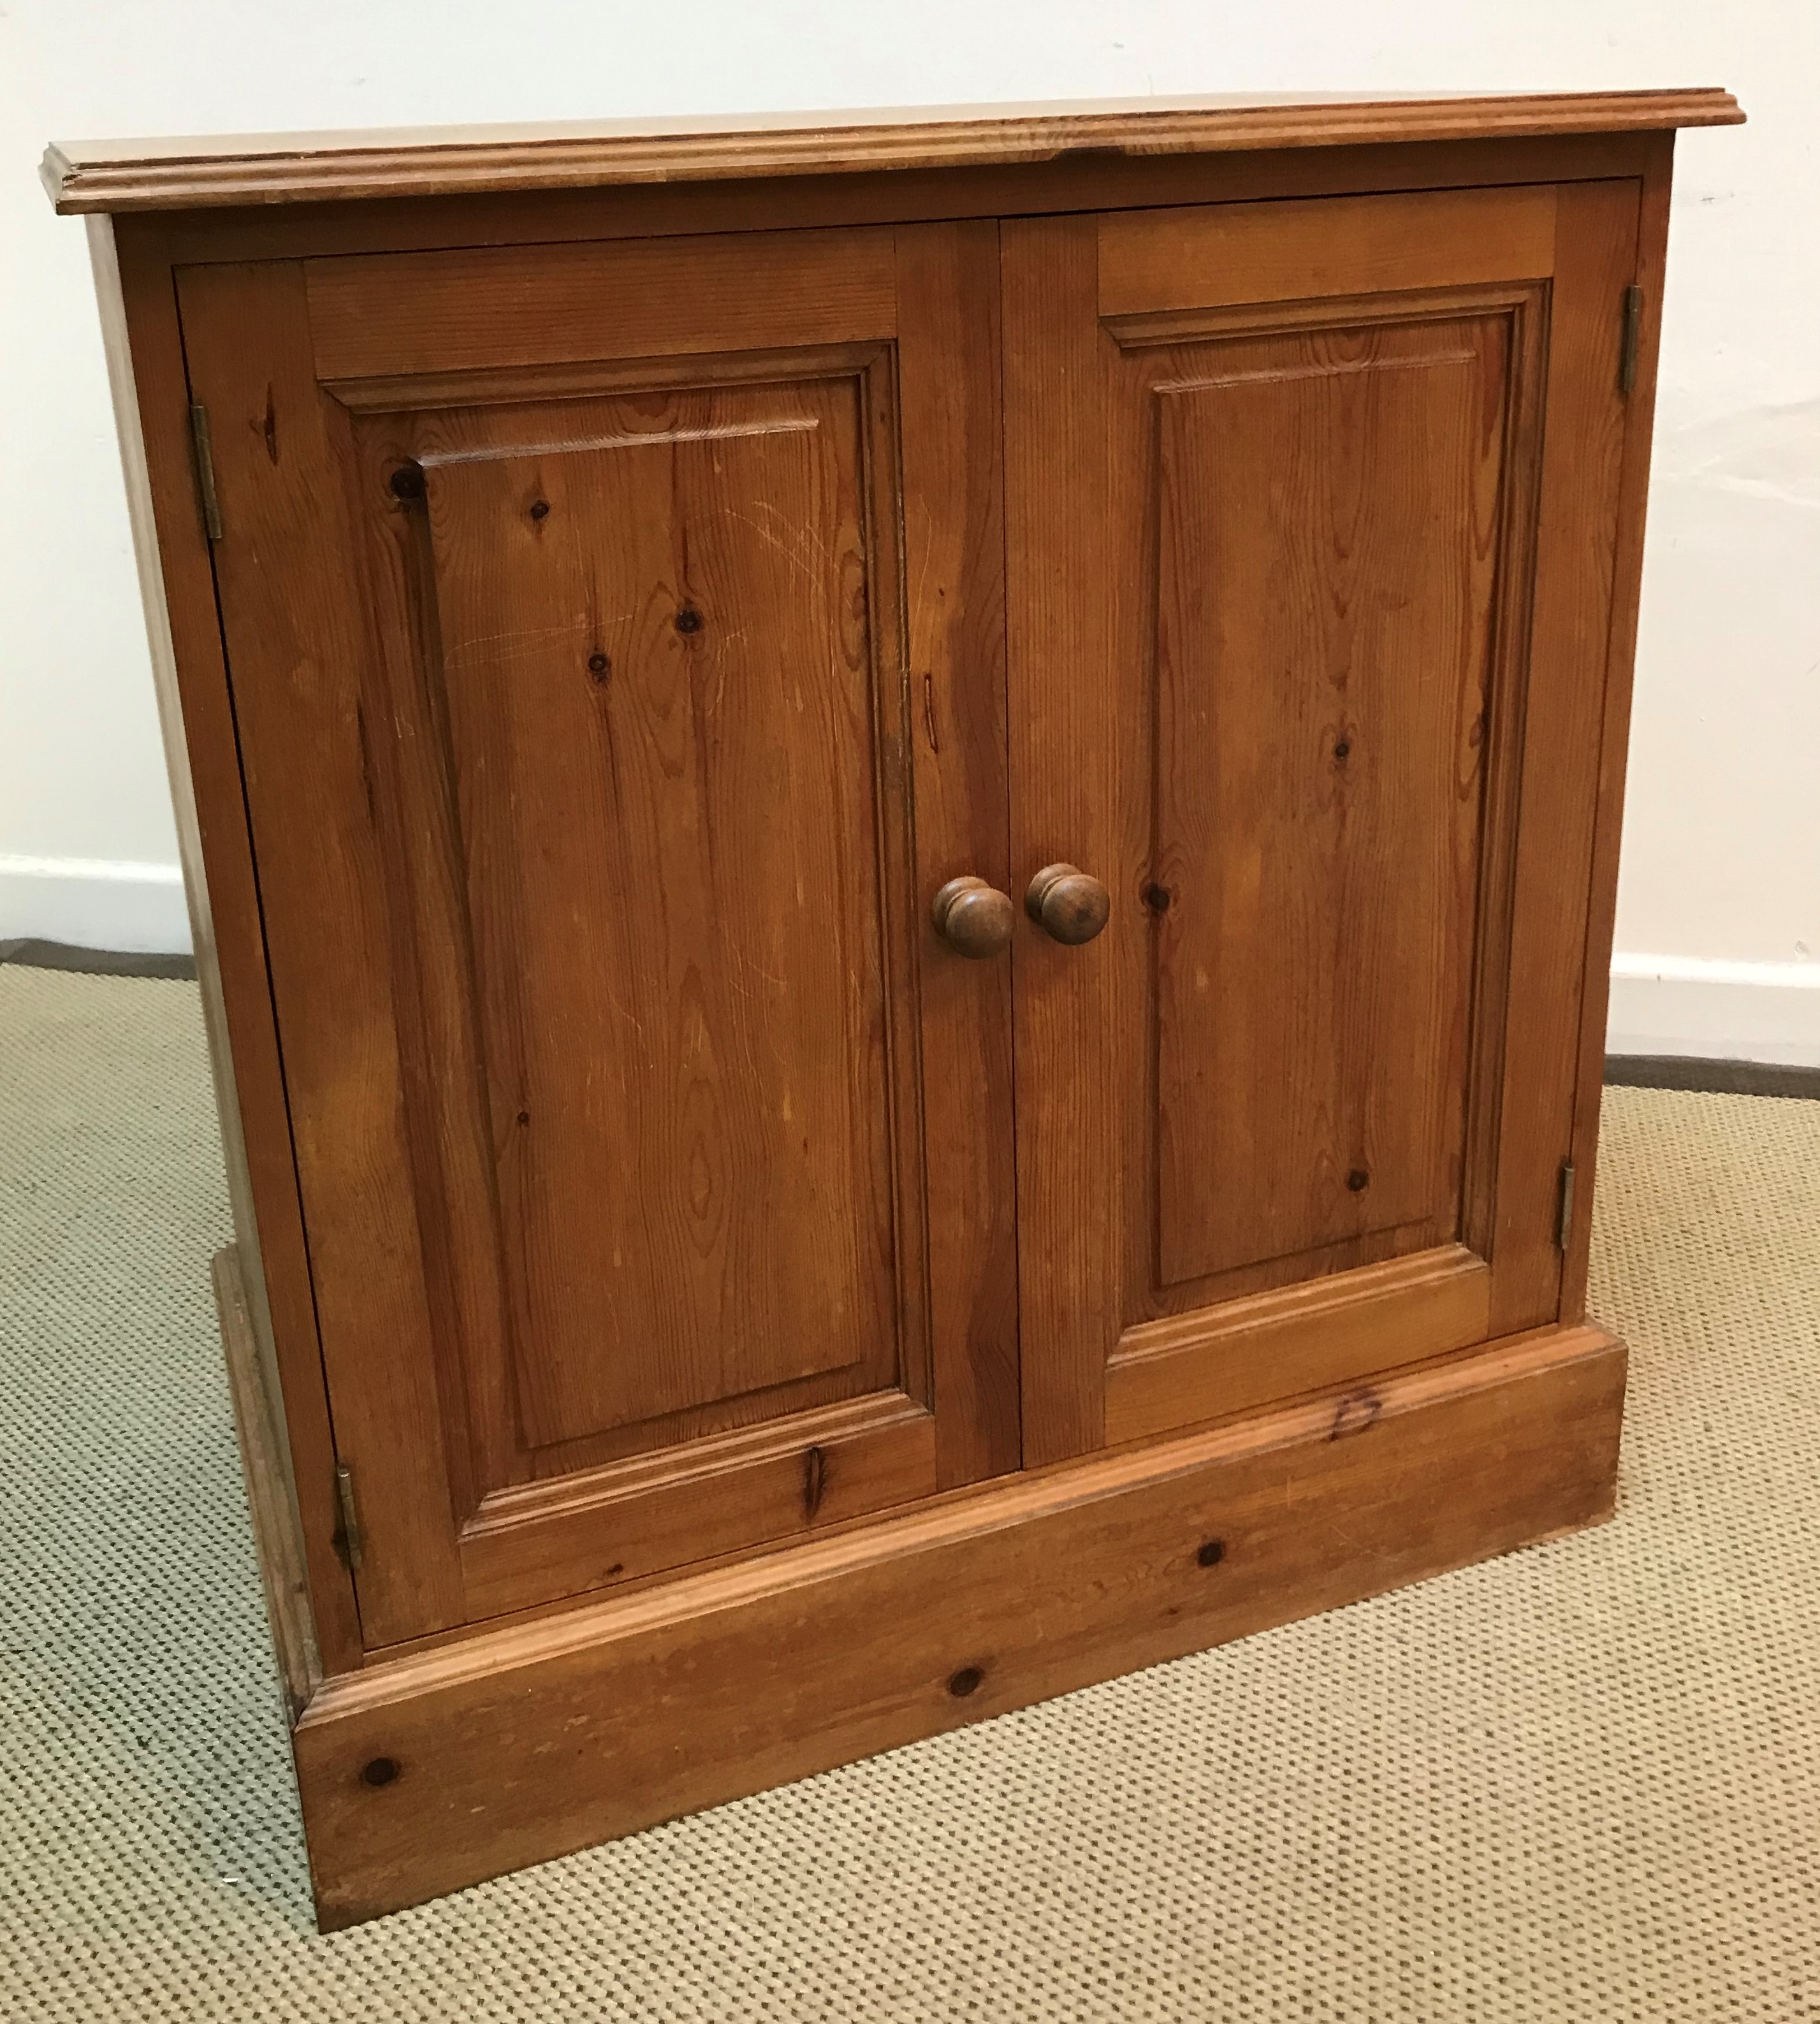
column 1067, row 904
column 972, row 918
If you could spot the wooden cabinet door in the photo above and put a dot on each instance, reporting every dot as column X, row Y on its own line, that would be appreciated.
column 616, row 640
column 1310, row 515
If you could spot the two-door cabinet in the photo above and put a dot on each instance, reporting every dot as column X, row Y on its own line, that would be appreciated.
column 902, row 835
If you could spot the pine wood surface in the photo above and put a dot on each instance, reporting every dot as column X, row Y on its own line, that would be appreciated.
column 1576, row 561
column 179, row 174
column 147, row 374
column 1318, row 840
column 1196, row 1366
column 1072, row 182
column 1195, row 1126
column 1614, row 748
column 1201, row 257
column 432, row 1772
column 951, row 426
column 580, row 1193
column 271, row 1500
column 493, row 308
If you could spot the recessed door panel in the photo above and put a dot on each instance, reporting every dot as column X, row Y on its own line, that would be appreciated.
column 1327, row 508
column 655, row 652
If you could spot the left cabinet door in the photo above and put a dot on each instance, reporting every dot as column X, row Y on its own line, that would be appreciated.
column 616, row 640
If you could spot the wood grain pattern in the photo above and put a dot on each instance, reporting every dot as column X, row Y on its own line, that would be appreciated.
column 465, row 1119
column 1194, row 1367
column 652, row 623
column 147, row 374
column 1504, row 734
column 525, row 1744
column 951, row 430
column 1577, row 545
column 1614, row 743
column 784, row 1477
column 631, row 627
column 1069, row 738
column 644, row 1174
column 178, row 174
column 271, row 1498
column 1207, row 257
column 1322, row 667
column 1383, row 564
column 308, row 708
column 494, row 307
column 1071, row 182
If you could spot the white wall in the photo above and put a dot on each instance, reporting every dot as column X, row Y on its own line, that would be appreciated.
column 1719, row 911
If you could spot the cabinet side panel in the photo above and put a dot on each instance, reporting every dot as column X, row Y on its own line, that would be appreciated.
column 146, row 370
column 293, row 610
column 271, row 1502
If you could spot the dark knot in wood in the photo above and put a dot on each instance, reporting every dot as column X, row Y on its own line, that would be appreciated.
column 1354, row 1413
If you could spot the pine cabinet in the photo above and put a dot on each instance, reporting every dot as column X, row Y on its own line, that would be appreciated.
column 902, row 834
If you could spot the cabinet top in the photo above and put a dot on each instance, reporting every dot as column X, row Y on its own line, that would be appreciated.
column 185, row 174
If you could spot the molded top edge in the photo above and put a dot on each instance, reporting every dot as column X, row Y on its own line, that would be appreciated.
column 292, row 168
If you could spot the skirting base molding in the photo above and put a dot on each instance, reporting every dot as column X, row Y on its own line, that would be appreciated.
column 428, row 1771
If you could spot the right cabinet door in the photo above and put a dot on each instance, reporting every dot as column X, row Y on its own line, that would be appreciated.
column 1311, row 512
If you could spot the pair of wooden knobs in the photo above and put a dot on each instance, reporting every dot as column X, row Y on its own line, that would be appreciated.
column 975, row 919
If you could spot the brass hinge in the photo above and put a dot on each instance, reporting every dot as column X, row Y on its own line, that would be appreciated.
column 204, row 454
column 1563, row 1213
column 349, row 1541
column 1630, row 340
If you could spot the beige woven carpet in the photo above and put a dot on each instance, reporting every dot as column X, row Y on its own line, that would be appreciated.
column 1582, row 1783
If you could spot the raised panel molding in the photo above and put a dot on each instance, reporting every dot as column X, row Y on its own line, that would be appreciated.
column 1322, row 677
column 1333, row 1331
column 645, row 620
column 1271, row 828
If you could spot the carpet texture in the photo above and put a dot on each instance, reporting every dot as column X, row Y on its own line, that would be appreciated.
column 1581, row 1783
